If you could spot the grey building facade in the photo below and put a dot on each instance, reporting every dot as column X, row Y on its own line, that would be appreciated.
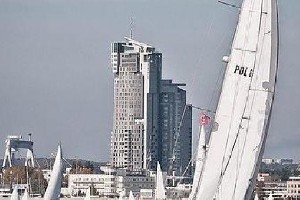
column 137, row 74
column 175, row 129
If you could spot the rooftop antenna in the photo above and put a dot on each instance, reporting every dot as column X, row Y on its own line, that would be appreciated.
column 131, row 27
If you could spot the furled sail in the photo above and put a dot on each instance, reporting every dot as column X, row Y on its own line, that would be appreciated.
column 160, row 191
column 15, row 195
column 54, row 185
column 201, row 152
column 243, row 113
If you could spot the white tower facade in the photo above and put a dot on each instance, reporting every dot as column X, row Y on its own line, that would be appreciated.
column 137, row 74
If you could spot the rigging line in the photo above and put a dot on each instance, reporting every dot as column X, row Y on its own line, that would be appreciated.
column 229, row 4
column 202, row 53
column 254, row 93
column 192, row 85
column 186, row 168
column 216, row 88
column 256, row 66
column 203, row 109
column 177, row 134
column 237, row 84
column 230, row 126
column 195, row 153
column 204, row 164
column 239, row 159
column 221, row 175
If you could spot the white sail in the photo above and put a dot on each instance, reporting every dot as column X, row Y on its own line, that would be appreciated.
column 25, row 195
column 160, row 191
column 88, row 194
column 131, row 197
column 54, row 185
column 242, row 117
column 256, row 197
column 15, row 195
column 201, row 151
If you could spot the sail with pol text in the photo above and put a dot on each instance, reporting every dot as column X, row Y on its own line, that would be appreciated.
column 243, row 113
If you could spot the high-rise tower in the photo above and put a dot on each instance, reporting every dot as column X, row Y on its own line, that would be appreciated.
column 151, row 121
column 175, row 129
column 137, row 73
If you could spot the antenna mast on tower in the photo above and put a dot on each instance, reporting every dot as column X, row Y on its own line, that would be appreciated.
column 131, row 28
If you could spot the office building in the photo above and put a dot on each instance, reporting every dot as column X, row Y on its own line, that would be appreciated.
column 148, row 120
column 137, row 74
column 175, row 128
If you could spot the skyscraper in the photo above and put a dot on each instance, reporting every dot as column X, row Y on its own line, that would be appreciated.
column 137, row 74
column 175, row 128
column 143, row 131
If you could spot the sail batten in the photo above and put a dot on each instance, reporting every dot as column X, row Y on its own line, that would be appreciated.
column 244, row 107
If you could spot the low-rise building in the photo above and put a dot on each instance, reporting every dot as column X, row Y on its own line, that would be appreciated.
column 266, row 177
column 181, row 191
column 284, row 161
column 293, row 187
column 268, row 161
column 277, row 189
column 270, row 184
column 111, row 182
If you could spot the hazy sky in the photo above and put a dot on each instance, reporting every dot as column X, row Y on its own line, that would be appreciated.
column 56, row 81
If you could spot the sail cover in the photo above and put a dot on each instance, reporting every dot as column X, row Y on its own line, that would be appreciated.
column 54, row 185
column 243, row 113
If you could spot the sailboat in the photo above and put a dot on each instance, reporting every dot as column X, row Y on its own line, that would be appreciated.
column 244, row 109
column 25, row 195
column 54, row 186
column 160, row 191
column 15, row 195
column 131, row 197
column 88, row 194
column 201, row 153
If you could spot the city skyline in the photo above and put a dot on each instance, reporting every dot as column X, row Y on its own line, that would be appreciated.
column 56, row 80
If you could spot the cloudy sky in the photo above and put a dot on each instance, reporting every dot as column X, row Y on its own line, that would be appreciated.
column 56, row 81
